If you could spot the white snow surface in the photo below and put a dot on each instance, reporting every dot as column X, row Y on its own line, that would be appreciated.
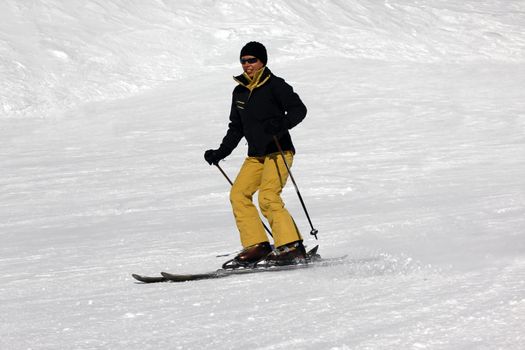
column 411, row 161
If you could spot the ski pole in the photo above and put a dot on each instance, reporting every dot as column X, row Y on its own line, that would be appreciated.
column 231, row 183
column 223, row 173
column 314, row 231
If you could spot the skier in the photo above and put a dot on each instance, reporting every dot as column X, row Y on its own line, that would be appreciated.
column 264, row 106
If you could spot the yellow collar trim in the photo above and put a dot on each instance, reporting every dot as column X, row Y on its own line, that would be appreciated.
column 255, row 82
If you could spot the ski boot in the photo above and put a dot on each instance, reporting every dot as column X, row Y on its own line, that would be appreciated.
column 249, row 256
column 289, row 254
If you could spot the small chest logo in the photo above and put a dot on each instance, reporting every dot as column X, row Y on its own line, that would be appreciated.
column 240, row 104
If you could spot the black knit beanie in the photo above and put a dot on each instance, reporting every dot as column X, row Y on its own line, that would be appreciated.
column 256, row 49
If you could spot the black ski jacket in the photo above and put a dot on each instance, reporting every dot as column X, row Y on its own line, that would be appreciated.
column 251, row 109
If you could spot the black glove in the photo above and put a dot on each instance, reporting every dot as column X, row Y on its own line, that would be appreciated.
column 275, row 126
column 214, row 156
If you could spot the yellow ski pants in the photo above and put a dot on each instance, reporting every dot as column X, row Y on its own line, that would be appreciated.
column 267, row 175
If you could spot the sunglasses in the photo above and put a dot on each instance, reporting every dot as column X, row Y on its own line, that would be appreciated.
column 249, row 60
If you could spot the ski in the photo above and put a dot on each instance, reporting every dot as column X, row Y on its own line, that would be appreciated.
column 221, row 273
column 314, row 261
column 312, row 254
column 149, row 279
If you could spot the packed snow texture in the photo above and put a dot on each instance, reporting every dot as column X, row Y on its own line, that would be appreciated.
column 410, row 161
column 56, row 55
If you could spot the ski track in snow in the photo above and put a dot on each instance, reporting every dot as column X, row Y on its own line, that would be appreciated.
column 410, row 161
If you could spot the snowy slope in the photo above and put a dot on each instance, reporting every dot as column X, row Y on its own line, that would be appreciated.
column 56, row 55
column 410, row 161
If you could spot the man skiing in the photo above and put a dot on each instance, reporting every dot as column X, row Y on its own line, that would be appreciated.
column 264, row 107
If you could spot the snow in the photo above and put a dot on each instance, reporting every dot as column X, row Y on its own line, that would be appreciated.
column 410, row 161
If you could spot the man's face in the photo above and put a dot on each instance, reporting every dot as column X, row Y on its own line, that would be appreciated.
column 251, row 64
